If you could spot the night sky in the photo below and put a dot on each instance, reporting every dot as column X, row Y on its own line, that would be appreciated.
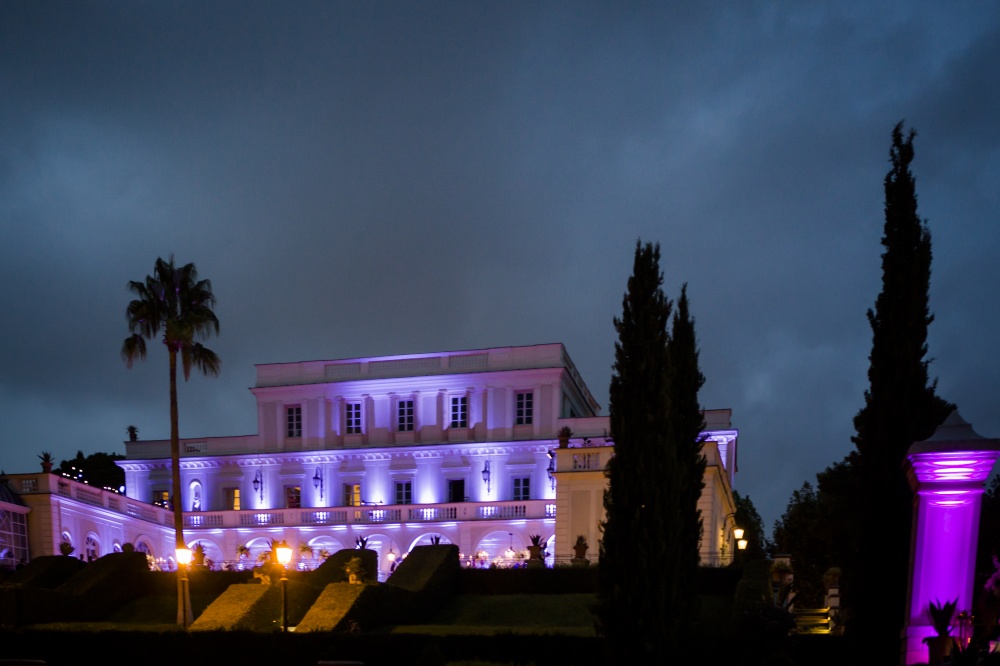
column 373, row 178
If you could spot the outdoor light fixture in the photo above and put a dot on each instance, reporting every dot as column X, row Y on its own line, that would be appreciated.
column 183, row 556
column 258, row 484
column 284, row 557
column 552, row 468
column 510, row 550
column 738, row 532
column 741, row 543
column 391, row 556
column 318, row 482
column 486, row 475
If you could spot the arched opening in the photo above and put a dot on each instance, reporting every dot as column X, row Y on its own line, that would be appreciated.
column 212, row 552
column 500, row 548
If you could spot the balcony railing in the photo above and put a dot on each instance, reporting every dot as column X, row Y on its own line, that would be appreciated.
column 406, row 513
column 29, row 484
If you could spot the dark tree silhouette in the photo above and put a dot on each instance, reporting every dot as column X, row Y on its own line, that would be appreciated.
column 97, row 469
column 649, row 548
column 901, row 407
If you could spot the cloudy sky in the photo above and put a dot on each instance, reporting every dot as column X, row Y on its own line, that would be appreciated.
column 370, row 178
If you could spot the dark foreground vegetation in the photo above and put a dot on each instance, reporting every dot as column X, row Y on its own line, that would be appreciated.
column 500, row 616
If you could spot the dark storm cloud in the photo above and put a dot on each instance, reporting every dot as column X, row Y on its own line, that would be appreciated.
column 362, row 179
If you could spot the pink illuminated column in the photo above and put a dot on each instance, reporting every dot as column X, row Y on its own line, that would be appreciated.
column 947, row 473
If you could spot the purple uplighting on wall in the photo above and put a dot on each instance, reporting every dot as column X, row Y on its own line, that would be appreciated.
column 947, row 472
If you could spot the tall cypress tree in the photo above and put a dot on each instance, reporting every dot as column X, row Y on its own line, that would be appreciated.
column 901, row 405
column 685, row 472
column 649, row 548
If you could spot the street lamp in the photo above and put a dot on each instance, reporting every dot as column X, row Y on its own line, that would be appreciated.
column 284, row 557
column 183, row 556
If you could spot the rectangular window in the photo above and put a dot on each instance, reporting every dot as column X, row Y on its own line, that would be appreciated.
column 460, row 412
column 352, row 418
column 456, row 490
column 161, row 498
column 405, row 415
column 293, row 419
column 352, row 494
column 293, row 497
column 524, row 408
column 233, row 499
column 522, row 488
column 404, row 492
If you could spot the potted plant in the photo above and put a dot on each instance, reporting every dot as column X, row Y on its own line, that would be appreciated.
column 580, row 548
column 242, row 551
column 536, row 551
column 563, row 436
column 46, row 459
column 939, row 647
column 361, row 542
column 66, row 548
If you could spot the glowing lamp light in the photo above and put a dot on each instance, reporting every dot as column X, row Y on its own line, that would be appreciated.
column 738, row 533
column 391, row 556
column 284, row 553
column 741, row 544
column 183, row 556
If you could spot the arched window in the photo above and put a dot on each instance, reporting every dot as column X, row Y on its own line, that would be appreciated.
column 92, row 549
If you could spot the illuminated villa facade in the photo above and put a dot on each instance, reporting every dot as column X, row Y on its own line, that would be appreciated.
column 460, row 446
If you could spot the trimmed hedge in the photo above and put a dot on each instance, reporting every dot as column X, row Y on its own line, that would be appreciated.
column 333, row 569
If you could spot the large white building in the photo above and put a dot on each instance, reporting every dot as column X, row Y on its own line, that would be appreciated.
column 461, row 446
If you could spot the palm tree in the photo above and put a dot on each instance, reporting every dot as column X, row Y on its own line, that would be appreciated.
column 174, row 304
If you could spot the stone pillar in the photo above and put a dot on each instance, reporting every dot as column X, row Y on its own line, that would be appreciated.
column 947, row 473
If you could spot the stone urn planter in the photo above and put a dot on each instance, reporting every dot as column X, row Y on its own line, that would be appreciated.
column 580, row 551
column 536, row 551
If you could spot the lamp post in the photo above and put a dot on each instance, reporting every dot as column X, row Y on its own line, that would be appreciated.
column 284, row 557
column 183, row 556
